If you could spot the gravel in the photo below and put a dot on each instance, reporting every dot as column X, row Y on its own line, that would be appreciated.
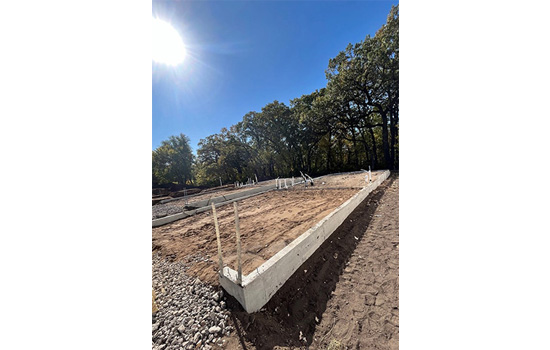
column 162, row 210
column 191, row 314
column 214, row 329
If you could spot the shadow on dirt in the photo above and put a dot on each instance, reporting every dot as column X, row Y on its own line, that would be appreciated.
column 304, row 296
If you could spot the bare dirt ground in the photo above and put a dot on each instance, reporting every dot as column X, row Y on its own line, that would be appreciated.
column 345, row 180
column 268, row 223
column 345, row 296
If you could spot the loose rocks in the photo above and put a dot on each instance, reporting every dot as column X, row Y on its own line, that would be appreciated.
column 214, row 329
column 191, row 314
column 162, row 210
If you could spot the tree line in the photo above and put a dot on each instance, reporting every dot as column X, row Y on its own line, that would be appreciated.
column 350, row 124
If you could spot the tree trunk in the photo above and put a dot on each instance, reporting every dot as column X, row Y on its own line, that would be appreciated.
column 271, row 168
column 340, row 155
column 395, row 120
column 374, row 154
column 366, row 151
column 329, row 151
column 363, row 140
column 393, row 134
column 309, row 154
column 385, row 143
column 393, row 131
column 355, row 150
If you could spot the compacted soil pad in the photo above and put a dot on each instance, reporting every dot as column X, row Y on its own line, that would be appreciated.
column 268, row 222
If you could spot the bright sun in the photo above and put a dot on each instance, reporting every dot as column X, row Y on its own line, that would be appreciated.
column 168, row 47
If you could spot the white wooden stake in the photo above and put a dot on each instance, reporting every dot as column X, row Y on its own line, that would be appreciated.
column 285, row 183
column 239, row 267
column 220, row 260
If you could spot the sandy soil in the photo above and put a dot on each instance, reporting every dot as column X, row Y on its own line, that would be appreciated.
column 345, row 296
column 345, row 180
column 268, row 222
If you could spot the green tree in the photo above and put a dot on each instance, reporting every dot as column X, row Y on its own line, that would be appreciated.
column 388, row 58
column 173, row 161
column 363, row 86
column 351, row 123
column 223, row 156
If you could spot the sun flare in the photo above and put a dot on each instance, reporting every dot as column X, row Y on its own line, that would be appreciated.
column 168, row 47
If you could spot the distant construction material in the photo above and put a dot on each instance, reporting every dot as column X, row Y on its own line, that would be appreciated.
column 204, row 205
column 199, row 206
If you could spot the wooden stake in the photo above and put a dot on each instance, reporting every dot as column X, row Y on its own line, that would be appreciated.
column 220, row 260
column 239, row 267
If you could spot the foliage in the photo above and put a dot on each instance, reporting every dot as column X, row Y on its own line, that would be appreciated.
column 173, row 160
column 222, row 156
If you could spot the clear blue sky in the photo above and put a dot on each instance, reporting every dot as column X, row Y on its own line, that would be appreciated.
column 244, row 54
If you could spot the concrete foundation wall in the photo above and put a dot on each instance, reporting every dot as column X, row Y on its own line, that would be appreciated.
column 260, row 285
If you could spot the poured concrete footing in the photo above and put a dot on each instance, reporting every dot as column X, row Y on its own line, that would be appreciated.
column 260, row 285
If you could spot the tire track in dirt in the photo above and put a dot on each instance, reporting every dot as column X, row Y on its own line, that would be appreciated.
column 364, row 312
